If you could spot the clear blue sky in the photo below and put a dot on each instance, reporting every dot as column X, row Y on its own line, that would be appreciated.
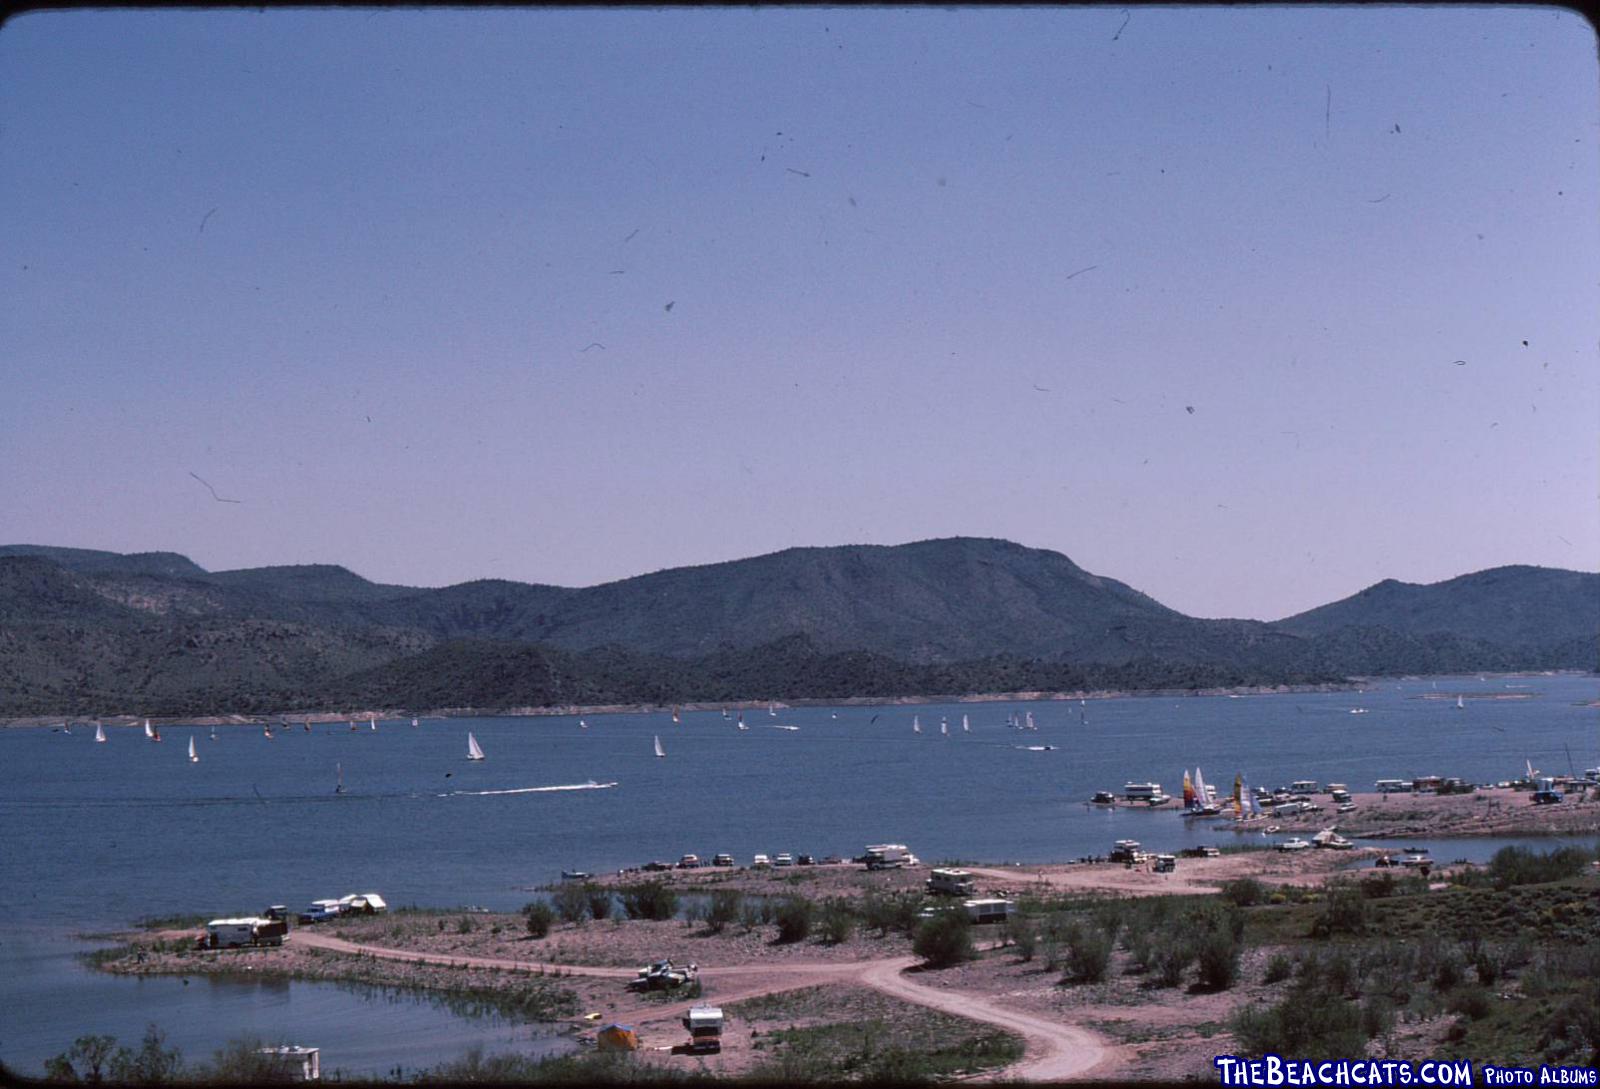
column 930, row 273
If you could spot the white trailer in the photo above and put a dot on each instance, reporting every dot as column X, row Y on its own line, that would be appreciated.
column 233, row 933
column 705, row 1028
column 951, row 882
column 989, row 911
column 884, row 856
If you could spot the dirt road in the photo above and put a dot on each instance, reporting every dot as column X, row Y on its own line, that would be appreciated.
column 1054, row 1051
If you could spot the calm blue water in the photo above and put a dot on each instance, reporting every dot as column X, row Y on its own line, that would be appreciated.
column 99, row 835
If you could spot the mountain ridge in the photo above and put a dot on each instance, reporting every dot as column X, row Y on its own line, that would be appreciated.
column 80, row 627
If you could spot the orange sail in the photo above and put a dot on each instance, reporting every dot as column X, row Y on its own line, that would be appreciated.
column 1188, row 791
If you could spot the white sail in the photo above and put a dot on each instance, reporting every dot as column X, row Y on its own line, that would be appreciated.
column 944, row 727
column 194, row 757
column 582, row 725
column 413, row 724
column 213, row 733
column 742, row 726
column 1030, row 725
column 99, row 732
column 374, row 722
column 772, row 709
column 966, row 727
column 675, row 719
column 148, row 732
column 1459, row 705
column 339, row 768
column 659, row 750
column 473, row 751
column 916, row 725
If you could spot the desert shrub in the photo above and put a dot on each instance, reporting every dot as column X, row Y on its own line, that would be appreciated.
column 1279, row 966
column 1217, row 957
column 1088, row 950
column 539, row 916
column 153, row 1064
column 1521, row 866
column 945, row 939
column 723, row 909
column 1023, row 936
column 1244, row 892
column 1572, row 1031
column 794, row 916
column 1344, row 911
column 750, row 915
column 1309, row 1023
column 893, row 911
column 649, row 900
column 465, row 925
column 571, row 901
column 599, row 901
column 836, row 922
column 1471, row 1000
column 1377, row 1015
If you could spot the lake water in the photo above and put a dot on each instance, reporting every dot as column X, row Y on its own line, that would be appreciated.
column 99, row 835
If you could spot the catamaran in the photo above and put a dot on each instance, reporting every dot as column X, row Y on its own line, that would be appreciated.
column 659, row 750
column 473, row 751
column 100, row 733
column 194, row 757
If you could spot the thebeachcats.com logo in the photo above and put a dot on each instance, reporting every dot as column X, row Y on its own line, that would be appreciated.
column 1276, row 1071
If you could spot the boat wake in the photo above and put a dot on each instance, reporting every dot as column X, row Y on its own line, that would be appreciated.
column 782, row 727
column 590, row 785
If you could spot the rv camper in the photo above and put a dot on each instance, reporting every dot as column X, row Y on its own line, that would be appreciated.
column 297, row 1063
column 251, row 930
column 989, row 911
column 951, row 882
column 889, row 856
column 705, row 1028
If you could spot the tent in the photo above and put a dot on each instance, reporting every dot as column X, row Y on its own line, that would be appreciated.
column 617, row 1038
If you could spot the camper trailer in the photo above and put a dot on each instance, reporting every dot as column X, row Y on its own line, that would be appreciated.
column 250, row 930
column 951, row 883
column 989, row 911
column 298, row 1063
column 889, row 856
column 705, row 1029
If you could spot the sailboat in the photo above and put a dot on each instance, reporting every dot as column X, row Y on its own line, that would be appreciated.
column 374, row 722
column 582, row 725
column 724, row 712
column 966, row 727
column 194, row 757
column 473, row 751
column 307, row 725
column 944, row 727
column 153, row 735
column 772, row 709
column 741, row 724
column 100, row 733
column 1459, row 705
column 659, row 750
column 413, row 724
column 1029, row 722
column 213, row 733
column 916, row 725
column 339, row 768
column 676, row 721
column 268, row 731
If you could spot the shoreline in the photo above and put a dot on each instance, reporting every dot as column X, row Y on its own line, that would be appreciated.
column 387, row 714
column 322, row 717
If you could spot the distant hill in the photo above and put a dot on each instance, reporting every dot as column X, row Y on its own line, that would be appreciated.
column 84, row 631
column 1533, row 615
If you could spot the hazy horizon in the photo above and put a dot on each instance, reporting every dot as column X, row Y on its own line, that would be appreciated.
column 1248, row 309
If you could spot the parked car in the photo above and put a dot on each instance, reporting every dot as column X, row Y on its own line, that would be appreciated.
column 316, row 913
column 656, row 866
column 689, row 862
column 784, row 859
column 805, row 860
column 278, row 912
column 722, row 860
column 760, row 862
column 832, row 860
